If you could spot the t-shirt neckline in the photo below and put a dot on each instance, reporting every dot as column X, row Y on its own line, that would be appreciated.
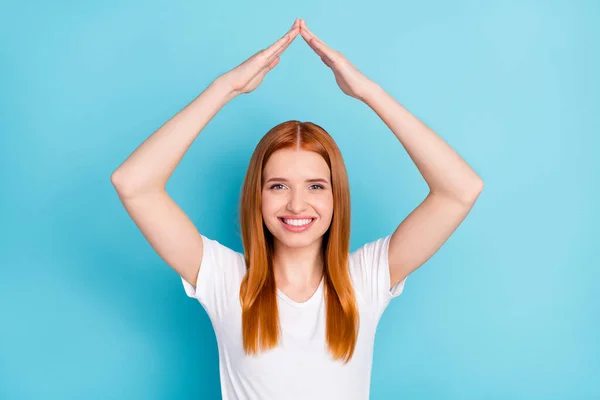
column 315, row 296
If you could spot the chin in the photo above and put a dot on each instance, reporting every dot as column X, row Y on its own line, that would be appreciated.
column 299, row 241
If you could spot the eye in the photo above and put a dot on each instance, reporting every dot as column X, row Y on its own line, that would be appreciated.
column 312, row 186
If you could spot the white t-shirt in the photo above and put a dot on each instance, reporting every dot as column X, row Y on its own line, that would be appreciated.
column 300, row 367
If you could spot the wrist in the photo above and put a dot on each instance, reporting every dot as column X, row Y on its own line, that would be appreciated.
column 372, row 91
column 222, row 86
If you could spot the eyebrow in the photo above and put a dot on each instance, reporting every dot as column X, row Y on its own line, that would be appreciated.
column 308, row 180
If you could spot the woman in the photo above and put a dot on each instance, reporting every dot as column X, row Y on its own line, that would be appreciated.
column 295, row 315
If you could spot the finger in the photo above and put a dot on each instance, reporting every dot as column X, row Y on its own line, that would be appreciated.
column 285, row 40
column 270, row 56
column 312, row 44
column 312, row 39
column 320, row 52
column 319, row 47
column 294, row 33
column 275, row 47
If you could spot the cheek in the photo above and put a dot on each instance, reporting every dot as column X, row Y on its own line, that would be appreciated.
column 270, row 205
column 324, row 206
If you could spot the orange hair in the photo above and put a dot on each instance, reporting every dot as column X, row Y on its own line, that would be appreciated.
column 258, row 293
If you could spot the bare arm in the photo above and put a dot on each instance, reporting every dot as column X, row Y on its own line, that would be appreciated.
column 151, row 165
column 454, row 186
column 141, row 179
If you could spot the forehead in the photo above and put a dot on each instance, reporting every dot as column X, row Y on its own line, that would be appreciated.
column 296, row 164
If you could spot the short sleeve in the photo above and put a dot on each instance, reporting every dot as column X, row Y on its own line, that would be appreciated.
column 221, row 272
column 370, row 274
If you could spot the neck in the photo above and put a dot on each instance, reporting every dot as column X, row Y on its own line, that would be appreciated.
column 298, row 266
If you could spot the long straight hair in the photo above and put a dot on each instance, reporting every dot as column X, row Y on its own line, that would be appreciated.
column 258, row 292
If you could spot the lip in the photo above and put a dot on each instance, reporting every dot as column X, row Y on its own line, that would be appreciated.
column 297, row 228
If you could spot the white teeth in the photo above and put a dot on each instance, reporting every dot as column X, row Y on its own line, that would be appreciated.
column 297, row 222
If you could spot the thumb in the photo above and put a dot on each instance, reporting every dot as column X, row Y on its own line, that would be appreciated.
column 273, row 64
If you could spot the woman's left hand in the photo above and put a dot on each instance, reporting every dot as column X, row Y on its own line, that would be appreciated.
column 348, row 77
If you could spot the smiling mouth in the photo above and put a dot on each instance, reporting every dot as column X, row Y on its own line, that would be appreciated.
column 307, row 223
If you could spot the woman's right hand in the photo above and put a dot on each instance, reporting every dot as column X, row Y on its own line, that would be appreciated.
column 247, row 76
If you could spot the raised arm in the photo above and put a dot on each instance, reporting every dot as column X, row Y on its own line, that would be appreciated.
column 454, row 186
column 141, row 179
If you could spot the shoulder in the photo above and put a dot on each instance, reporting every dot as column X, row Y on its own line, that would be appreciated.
column 370, row 274
column 371, row 254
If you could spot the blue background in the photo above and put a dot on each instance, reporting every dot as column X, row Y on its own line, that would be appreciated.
column 507, row 309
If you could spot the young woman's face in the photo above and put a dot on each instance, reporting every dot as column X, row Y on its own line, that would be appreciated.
column 297, row 184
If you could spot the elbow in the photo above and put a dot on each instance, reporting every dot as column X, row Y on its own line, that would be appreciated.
column 474, row 191
column 120, row 183
column 128, row 187
column 478, row 187
column 116, row 179
column 466, row 194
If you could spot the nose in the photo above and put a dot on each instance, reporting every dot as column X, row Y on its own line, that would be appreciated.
column 296, row 203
